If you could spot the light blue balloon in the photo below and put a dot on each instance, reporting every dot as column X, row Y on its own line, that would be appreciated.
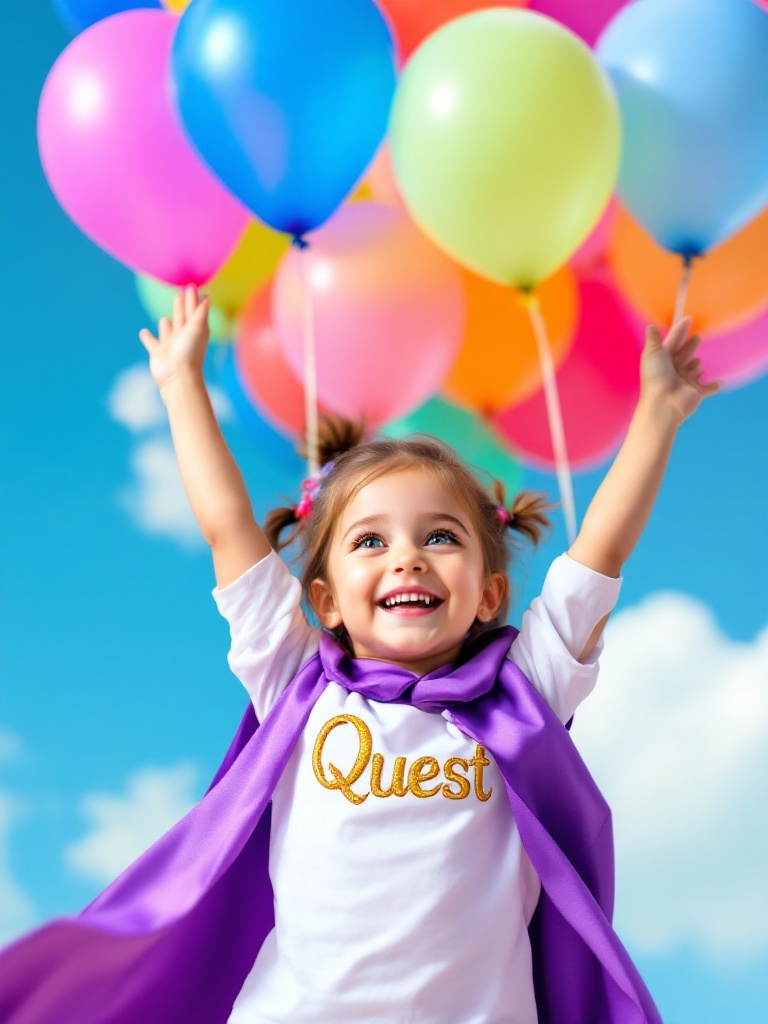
column 692, row 82
column 287, row 101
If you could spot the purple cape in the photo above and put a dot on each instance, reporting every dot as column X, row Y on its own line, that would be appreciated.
column 172, row 940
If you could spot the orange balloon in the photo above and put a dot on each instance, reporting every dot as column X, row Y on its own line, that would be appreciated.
column 498, row 364
column 413, row 20
column 728, row 286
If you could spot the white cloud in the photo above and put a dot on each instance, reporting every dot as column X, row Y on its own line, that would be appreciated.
column 155, row 497
column 135, row 402
column 676, row 735
column 122, row 826
column 18, row 912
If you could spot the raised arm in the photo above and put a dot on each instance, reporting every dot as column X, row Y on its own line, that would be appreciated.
column 213, row 483
column 670, row 391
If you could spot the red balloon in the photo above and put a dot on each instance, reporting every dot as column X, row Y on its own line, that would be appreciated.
column 598, row 384
column 266, row 378
column 413, row 20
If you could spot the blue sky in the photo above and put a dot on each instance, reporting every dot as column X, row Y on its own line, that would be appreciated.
column 117, row 702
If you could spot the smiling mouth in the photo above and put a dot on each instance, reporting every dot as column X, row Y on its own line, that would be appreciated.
column 410, row 604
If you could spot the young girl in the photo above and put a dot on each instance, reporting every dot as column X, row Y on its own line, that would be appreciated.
column 409, row 833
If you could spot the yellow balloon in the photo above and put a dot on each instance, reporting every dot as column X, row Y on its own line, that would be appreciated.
column 505, row 142
column 176, row 5
column 253, row 261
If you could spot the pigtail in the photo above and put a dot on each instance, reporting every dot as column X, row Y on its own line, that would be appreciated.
column 335, row 436
column 280, row 519
column 528, row 514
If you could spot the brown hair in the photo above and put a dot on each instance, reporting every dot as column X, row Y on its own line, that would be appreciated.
column 357, row 461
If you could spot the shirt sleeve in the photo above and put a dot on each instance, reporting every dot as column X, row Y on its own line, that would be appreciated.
column 555, row 630
column 270, row 637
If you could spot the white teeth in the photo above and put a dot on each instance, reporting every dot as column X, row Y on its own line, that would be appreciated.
column 391, row 602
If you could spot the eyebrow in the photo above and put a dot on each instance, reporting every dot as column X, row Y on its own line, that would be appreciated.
column 384, row 518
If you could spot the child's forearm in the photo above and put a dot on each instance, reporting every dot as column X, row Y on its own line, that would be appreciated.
column 623, row 503
column 213, row 483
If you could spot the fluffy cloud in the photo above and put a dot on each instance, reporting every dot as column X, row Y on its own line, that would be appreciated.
column 155, row 497
column 123, row 826
column 135, row 402
column 676, row 734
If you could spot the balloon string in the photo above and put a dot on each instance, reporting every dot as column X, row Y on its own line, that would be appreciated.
column 682, row 292
column 554, row 414
column 310, row 361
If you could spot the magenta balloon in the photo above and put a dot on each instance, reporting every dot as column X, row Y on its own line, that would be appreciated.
column 389, row 310
column 737, row 357
column 116, row 158
column 587, row 18
column 598, row 386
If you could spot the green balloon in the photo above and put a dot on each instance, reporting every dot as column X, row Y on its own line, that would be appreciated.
column 157, row 300
column 505, row 142
column 474, row 441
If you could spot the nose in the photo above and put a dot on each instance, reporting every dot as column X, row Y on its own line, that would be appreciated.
column 409, row 560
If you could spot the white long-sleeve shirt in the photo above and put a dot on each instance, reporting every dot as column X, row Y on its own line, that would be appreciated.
column 403, row 894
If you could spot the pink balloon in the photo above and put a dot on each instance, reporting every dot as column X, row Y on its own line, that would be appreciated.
column 737, row 357
column 587, row 18
column 598, row 386
column 267, row 379
column 116, row 158
column 389, row 310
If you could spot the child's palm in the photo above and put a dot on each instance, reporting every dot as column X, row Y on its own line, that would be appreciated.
column 670, row 369
column 182, row 342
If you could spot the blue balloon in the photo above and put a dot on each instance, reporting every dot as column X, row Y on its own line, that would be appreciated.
column 692, row 83
column 285, row 100
column 271, row 445
column 79, row 14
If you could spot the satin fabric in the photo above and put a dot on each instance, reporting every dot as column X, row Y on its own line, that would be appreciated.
column 172, row 939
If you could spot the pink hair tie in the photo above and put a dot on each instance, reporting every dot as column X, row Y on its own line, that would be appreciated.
column 503, row 515
column 311, row 488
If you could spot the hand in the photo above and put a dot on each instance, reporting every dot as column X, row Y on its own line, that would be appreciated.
column 182, row 343
column 670, row 371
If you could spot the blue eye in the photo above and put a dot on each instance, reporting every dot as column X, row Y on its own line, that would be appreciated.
column 363, row 541
column 443, row 535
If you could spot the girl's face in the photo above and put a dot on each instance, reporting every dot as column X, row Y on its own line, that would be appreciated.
column 406, row 574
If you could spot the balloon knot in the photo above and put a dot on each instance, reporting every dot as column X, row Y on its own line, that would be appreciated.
column 299, row 241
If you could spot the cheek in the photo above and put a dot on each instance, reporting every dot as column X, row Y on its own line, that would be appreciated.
column 356, row 578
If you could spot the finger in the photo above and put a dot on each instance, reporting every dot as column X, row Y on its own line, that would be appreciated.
column 652, row 337
column 164, row 328
column 190, row 301
column 202, row 310
column 711, row 388
column 178, row 311
column 693, row 368
column 677, row 334
column 685, row 353
column 147, row 338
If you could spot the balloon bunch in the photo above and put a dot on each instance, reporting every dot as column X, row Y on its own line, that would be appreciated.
column 484, row 200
